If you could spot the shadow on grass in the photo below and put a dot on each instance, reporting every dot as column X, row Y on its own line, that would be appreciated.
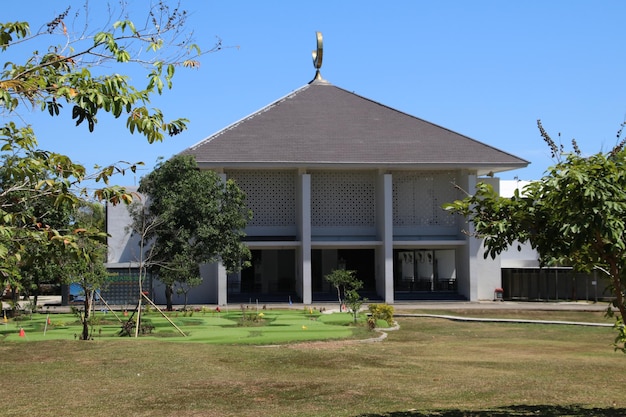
column 513, row 410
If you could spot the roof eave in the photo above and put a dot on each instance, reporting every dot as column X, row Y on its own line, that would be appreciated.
column 479, row 168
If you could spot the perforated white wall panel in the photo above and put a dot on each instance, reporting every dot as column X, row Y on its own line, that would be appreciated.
column 418, row 197
column 271, row 195
column 340, row 198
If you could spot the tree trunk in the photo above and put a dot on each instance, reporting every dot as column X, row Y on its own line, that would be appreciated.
column 339, row 298
column 87, row 315
column 168, row 297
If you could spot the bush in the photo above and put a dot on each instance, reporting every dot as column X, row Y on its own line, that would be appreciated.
column 382, row 312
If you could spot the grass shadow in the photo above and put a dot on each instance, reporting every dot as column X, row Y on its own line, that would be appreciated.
column 513, row 410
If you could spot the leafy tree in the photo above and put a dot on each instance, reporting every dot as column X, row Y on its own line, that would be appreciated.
column 344, row 281
column 31, row 223
column 354, row 302
column 78, row 77
column 34, row 266
column 40, row 263
column 574, row 215
column 189, row 277
column 144, row 225
column 180, row 274
column 89, row 273
column 200, row 219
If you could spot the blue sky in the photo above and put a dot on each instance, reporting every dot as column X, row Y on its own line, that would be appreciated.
column 485, row 69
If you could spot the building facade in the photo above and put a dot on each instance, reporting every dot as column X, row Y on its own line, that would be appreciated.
column 335, row 180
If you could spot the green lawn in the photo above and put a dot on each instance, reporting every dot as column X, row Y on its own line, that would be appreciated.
column 429, row 367
column 226, row 327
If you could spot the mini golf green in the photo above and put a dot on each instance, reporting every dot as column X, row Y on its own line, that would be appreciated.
column 248, row 326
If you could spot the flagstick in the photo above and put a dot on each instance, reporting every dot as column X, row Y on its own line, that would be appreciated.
column 45, row 328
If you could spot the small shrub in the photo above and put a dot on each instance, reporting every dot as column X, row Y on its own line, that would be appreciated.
column 129, row 327
column 371, row 322
column 381, row 312
column 251, row 318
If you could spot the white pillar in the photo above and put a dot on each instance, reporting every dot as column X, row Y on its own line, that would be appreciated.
column 222, row 284
column 478, row 277
column 384, row 224
column 220, row 273
column 304, row 286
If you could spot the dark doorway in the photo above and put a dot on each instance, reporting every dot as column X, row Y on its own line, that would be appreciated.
column 363, row 262
column 271, row 276
column 324, row 261
column 424, row 274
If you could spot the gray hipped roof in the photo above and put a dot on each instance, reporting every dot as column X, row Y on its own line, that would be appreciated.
column 320, row 125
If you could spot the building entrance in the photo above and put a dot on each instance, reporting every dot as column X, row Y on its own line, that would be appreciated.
column 324, row 261
column 270, row 277
column 420, row 272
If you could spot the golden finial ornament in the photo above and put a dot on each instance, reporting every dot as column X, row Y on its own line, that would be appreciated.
column 318, row 55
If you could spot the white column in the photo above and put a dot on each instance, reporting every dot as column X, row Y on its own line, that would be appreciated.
column 486, row 272
column 465, row 259
column 222, row 284
column 304, row 226
column 384, row 224
column 220, row 273
column 478, row 277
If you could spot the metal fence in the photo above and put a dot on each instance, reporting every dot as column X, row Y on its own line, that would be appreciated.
column 551, row 284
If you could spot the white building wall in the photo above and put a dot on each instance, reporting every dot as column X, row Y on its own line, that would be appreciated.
column 121, row 246
column 518, row 255
column 485, row 273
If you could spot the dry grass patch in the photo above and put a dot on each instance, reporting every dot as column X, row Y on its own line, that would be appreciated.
column 428, row 367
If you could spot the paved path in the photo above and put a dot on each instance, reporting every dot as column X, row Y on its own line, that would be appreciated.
column 504, row 305
column 497, row 320
column 495, row 306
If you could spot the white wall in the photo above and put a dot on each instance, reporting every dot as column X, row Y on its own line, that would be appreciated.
column 519, row 255
column 121, row 247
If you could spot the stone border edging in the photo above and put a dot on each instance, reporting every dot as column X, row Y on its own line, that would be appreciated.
column 383, row 334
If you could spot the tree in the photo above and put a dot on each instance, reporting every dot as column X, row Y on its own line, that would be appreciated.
column 89, row 272
column 344, row 281
column 574, row 215
column 33, row 267
column 179, row 274
column 354, row 302
column 144, row 225
column 189, row 277
column 80, row 75
column 200, row 219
